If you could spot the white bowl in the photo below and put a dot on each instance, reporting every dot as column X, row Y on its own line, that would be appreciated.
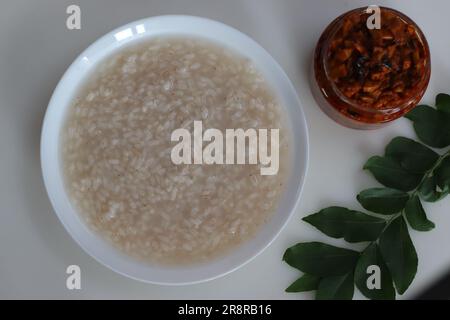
column 64, row 93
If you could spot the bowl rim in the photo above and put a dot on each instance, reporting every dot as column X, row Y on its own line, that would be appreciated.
column 92, row 243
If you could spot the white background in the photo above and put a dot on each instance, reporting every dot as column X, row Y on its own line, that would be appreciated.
column 35, row 50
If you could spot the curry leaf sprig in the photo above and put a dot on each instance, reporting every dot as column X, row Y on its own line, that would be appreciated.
column 411, row 173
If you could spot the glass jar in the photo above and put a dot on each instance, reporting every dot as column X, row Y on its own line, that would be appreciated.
column 365, row 78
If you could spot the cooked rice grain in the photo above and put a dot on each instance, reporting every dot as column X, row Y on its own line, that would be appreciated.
column 116, row 151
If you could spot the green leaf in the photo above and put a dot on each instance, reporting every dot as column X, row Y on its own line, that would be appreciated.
column 429, row 190
column 391, row 174
column 372, row 257
column 383, row 200
column 432, row 126
column 416, row 215
column 321, row 259
column 399, row 254
column 353, row 226
column 336, row 288
column 442, row 174
column 305, row 283
column 411, row 155
column 443, row 102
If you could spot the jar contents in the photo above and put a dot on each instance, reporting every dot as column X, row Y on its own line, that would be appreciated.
column 372, row 76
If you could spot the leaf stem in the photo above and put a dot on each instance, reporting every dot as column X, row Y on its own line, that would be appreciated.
column 430, row 172
column 415, row 192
